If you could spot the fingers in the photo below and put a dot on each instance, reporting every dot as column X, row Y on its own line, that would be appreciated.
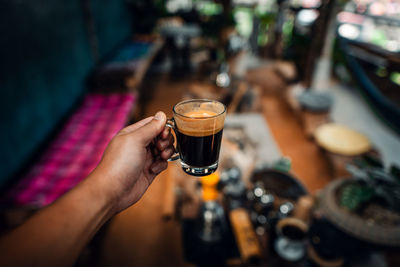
column 135, row 126
column 149, row 131
column 164, row 146
column 158, row 167
column 164, row 153
column 167, row 153
column 164, row 143
column 165, row 133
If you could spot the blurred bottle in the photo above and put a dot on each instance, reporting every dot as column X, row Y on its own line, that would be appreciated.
column 212, row 224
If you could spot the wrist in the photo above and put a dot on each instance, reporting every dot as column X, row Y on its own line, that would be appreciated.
column 101, row 193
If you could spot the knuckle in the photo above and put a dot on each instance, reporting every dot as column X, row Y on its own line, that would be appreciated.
column 160, row 145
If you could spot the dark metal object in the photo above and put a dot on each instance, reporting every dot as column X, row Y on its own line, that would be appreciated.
column 230, row 176
column 202, row 253
column 282, row 184
column 208, row 240
column 212, row 224
column 262, row 203
column 285, row 209
column 233, row 188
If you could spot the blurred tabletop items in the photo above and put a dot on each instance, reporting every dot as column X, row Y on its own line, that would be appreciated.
column 254, row 210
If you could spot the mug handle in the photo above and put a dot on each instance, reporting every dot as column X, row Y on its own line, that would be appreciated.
column 171, row 124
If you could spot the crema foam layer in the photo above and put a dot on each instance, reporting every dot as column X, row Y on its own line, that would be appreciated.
column 200, row 122
column 200, row 114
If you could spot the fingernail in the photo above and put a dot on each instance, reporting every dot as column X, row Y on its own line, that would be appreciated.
column 159, row 116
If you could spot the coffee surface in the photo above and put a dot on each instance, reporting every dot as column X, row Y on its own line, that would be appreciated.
column 200, row 114
column 200, row 122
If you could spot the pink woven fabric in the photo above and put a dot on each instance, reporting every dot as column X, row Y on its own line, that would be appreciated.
column 75, row 152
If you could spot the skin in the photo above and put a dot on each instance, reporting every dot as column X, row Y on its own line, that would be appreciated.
column 56, row 235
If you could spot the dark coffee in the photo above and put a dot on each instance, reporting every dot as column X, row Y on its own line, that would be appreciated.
column 199, row 151
column 199, row 134
column 293, row 232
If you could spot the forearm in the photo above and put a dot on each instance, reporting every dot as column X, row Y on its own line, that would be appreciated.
column 56, row 235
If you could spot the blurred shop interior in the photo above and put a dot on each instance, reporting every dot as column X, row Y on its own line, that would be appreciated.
column 309, row 169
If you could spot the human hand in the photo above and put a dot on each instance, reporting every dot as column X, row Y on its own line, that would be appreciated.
column 133, row 158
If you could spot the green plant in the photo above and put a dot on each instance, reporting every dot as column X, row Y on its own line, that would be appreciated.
column 372, row 182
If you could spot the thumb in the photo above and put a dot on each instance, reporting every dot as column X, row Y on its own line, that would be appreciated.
column 149, row 131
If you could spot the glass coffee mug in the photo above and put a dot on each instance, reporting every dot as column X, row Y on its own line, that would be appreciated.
column 198, row 126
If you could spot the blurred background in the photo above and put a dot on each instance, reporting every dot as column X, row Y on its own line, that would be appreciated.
column 309, row 170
